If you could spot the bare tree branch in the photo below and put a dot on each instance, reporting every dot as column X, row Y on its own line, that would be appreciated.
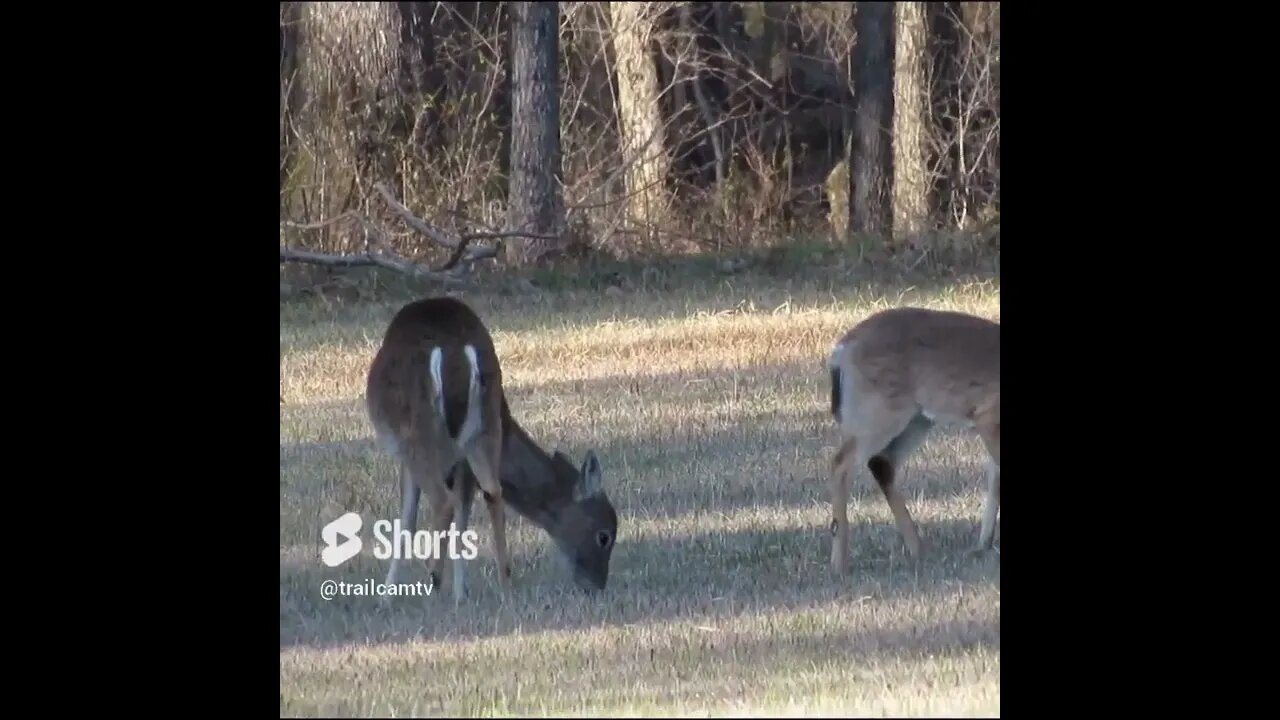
column 349, row 215
column 413, row 221
column 456, row 256
column 386, row 257
column 442, row 240
column 370, row 259
column 503, row 235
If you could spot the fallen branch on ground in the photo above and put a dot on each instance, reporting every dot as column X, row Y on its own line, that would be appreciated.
column 369, row 259
column 440, row 239
column 460, row 249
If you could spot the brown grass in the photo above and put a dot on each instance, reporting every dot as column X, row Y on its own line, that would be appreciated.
column 708, row 410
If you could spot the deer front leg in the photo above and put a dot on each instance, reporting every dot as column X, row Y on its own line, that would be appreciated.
column 986, row 536
column 988, row 422
column 485, row 460
column 884, row 472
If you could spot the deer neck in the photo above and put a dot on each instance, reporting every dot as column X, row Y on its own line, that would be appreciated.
column 529, row 481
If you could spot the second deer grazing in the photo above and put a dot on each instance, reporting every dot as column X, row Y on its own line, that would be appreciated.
column 893, row 377
column 435, row 398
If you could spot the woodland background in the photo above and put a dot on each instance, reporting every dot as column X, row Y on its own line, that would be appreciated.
column 439, row 137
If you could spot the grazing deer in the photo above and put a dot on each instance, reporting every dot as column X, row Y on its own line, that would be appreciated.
column 434, row 396
column 567, row 502
column 894, row 376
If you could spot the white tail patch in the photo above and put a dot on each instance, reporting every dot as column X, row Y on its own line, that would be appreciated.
column 840, row 390
column 471, row 422
column 437, row 380
column 474, row 381
column 471, row 425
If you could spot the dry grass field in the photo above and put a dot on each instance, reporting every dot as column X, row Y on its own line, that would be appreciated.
column 708, row 409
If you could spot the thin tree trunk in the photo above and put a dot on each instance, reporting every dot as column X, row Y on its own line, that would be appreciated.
column 421, row 77
column 534, row 202
column 944, row 40
column 710, row 114
column 352, row 51
column 871, row 161
column 639, row 112
column 290, row 83
column 910, row 120
column 981, row 90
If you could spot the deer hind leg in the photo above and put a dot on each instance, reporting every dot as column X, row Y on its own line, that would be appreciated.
column 885, row 466
column 463, row 489
column 989, row 429
column 441, row 502
column 410, row 494
column 424, row 475
column 880, row 446
column 840, row 464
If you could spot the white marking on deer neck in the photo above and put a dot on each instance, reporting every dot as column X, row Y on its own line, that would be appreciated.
column 437, row 380
column 471, row 426
column 949, row 420
column 563, row 560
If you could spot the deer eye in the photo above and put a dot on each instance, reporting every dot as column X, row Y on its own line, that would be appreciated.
column 603, row 538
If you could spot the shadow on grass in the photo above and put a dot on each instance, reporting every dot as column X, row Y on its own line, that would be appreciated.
column 674, row 473
column 706, row 577
column 711, row 465
column 589, row 297
column 744, row 381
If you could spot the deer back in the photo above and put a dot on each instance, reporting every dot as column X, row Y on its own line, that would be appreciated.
column 435, row 362
column 945, row 363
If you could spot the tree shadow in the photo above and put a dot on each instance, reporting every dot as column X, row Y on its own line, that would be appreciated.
column 687, row 287
column 654, row 579
column 775, row 460
column 729, row 427
column 712, row 468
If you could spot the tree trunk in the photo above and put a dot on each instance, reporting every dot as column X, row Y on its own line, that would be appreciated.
column 639, row 112
column 534, row 201
column 871, row 160
column 944, row 85
column 910, row 122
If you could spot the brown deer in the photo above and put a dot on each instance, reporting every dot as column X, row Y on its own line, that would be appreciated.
column 893, row 377
column 434, row 396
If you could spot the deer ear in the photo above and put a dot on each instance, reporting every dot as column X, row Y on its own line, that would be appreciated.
column 589, row 482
